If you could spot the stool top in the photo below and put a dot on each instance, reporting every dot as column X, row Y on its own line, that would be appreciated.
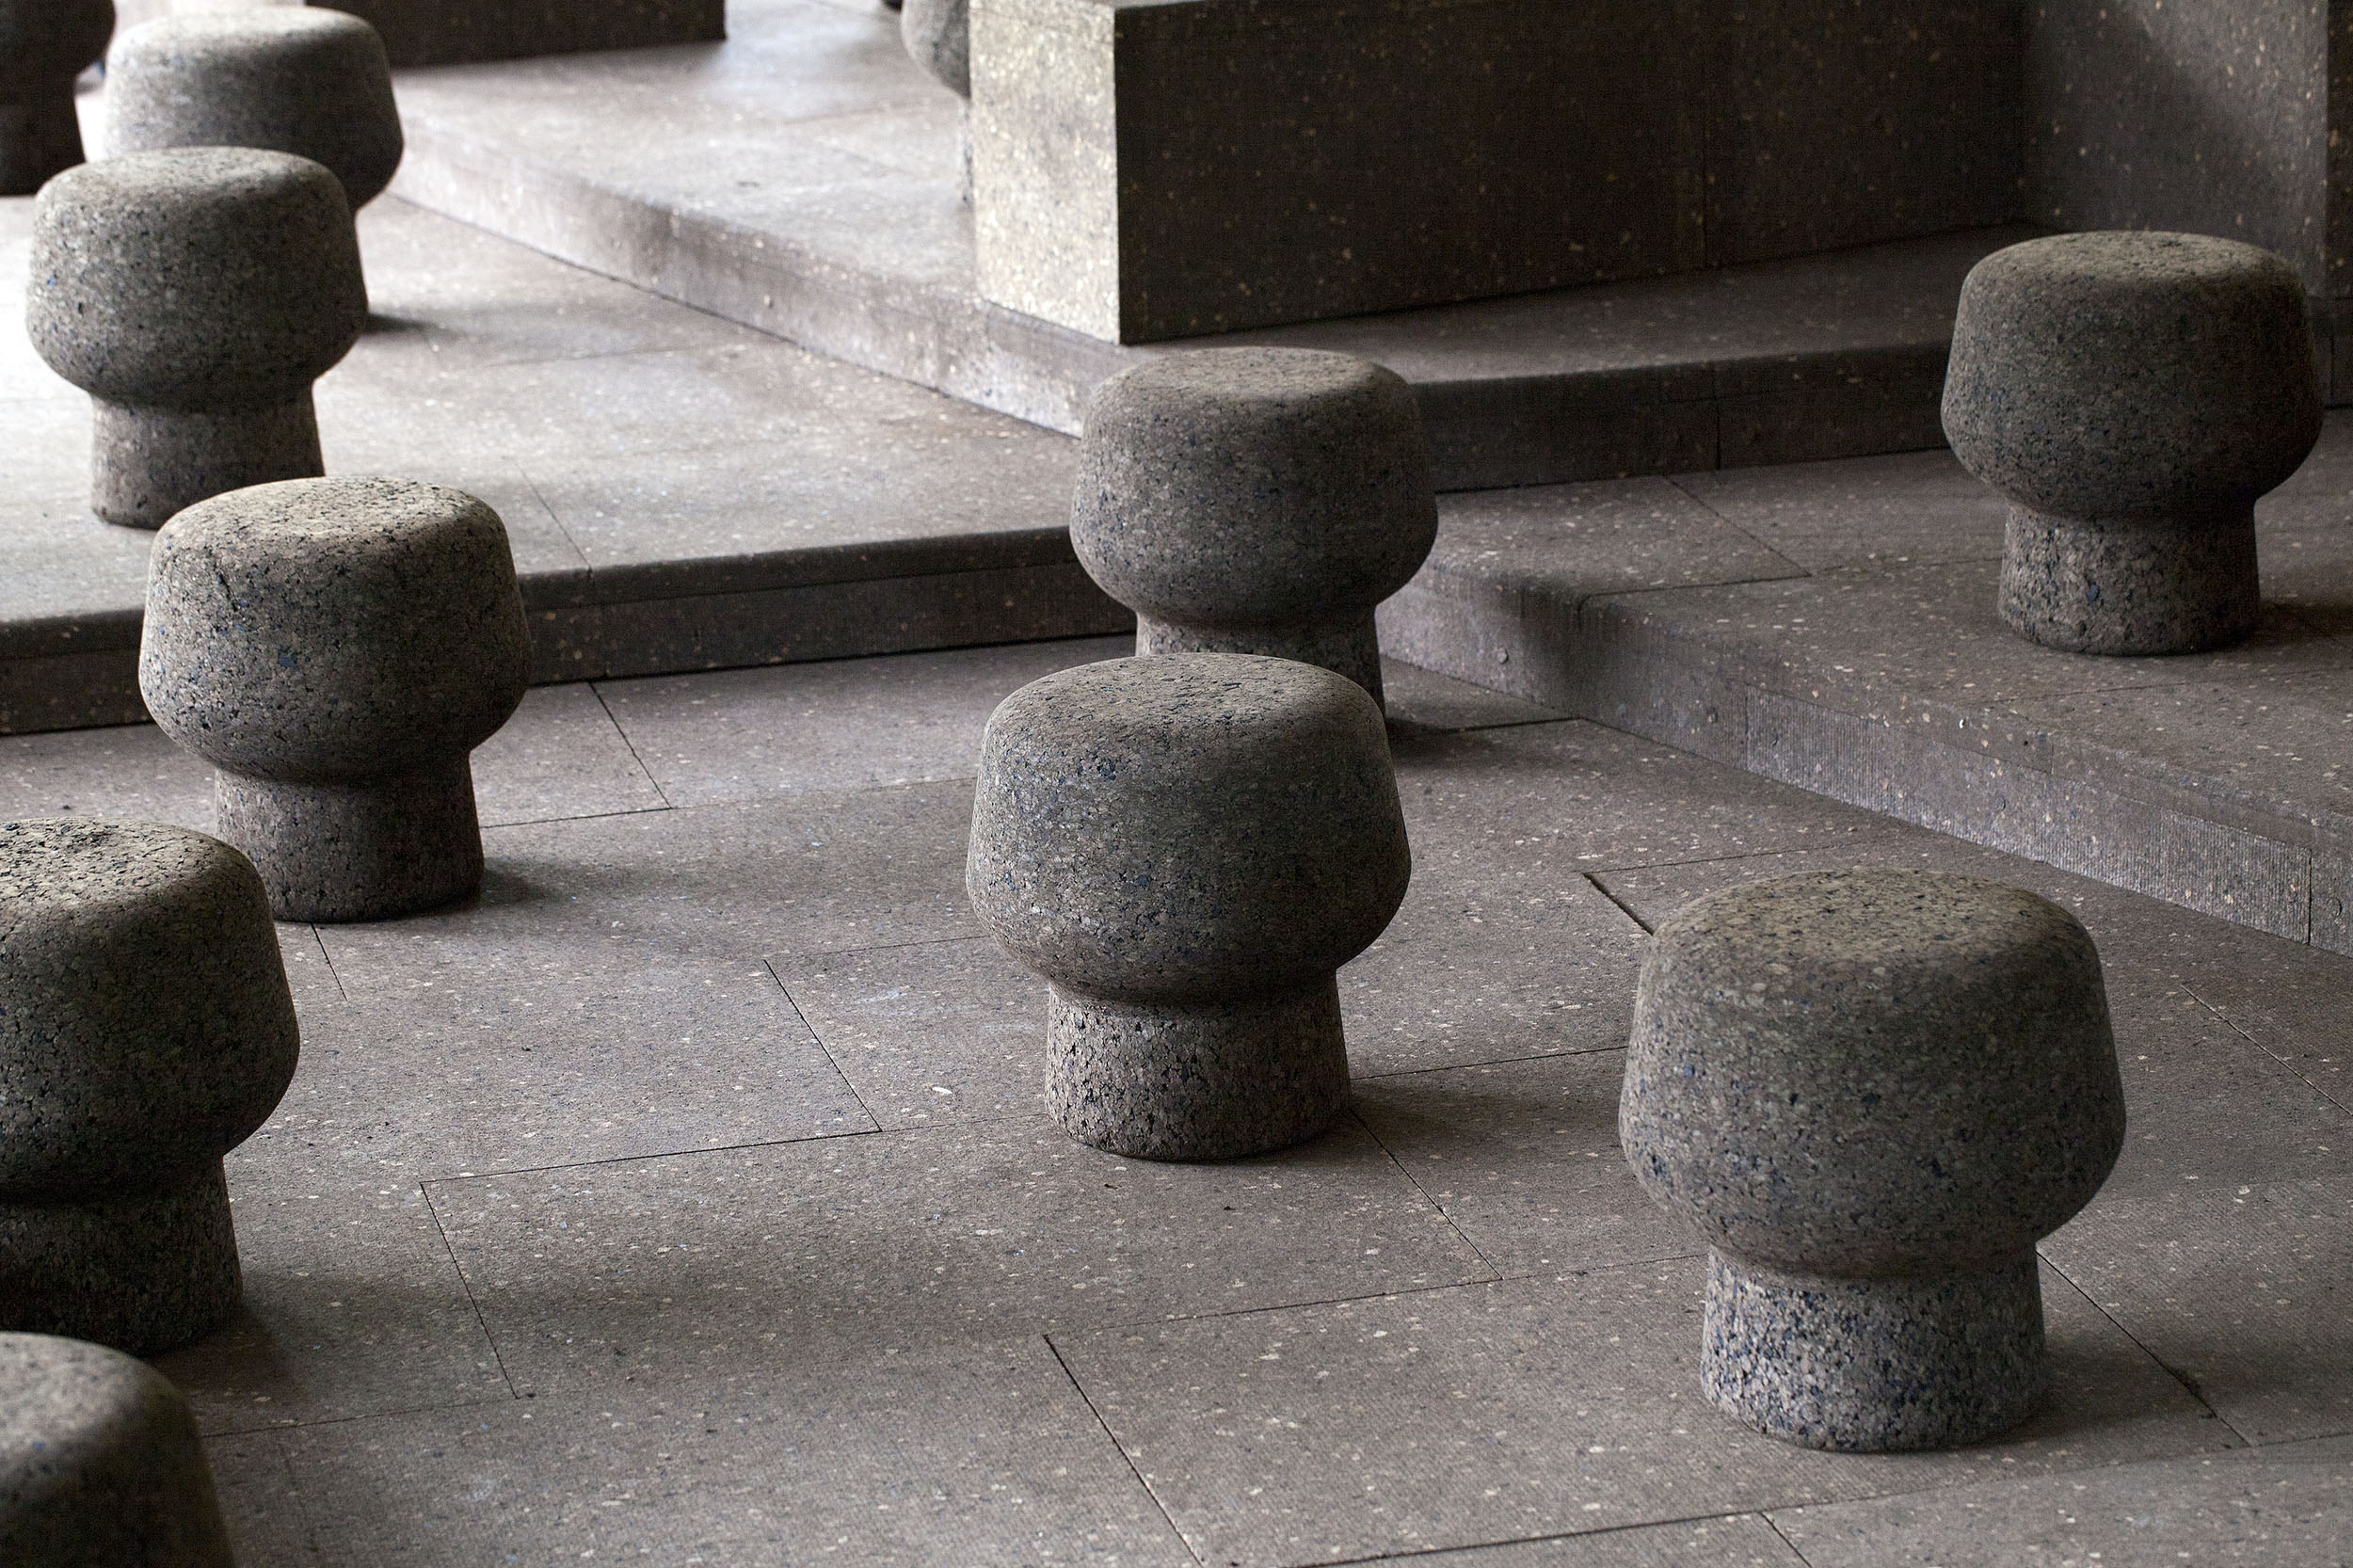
column 1872, row 1070
column 99, row 1462
column 1194, row 825
column 300, row 79
column 324, row 629
column 2132, row 374
column 1244, row 485
column 149, row 1028
column 194, row 277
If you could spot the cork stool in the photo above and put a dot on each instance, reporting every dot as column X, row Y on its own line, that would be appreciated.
column 1187, row 849
column 1255, row 501
column 195, row 294
column 298, row 79
column 1871, row 1092
column 99, row 1462
column 148, row 1032
column 2132, row 394
column 337, row 648
column 45, row 44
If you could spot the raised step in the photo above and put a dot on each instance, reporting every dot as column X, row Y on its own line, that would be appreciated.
column 1833, row 626
column 804, row 179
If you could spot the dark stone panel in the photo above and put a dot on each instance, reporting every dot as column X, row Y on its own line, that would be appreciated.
column 1841, row 122
column 437, row 32
column 2209, row 116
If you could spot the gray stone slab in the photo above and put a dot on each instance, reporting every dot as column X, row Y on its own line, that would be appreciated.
column 753, row 734
column 2289, row 1504
column 1530, row 1408
column 1524, row 1157
column 129, row 771
column 1523, row 958
column 560, row 755
column 645, row 1054
column 352, row 1308
column 260, row 1501
column 695, row 1266
column 929, row 1033
column 2240, row 1286
column 1579, row 798
column 980, row 1455
column 1734, row 1541
column 1897, row 510
column 816, row 873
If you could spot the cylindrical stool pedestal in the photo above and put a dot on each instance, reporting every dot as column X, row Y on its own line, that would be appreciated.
column 1208, row 1080
column 147, row 1030
column 1870, row 1093
column 100, row 1464
column 143, row 1271
column 1255, row 501
column 370, row 849
column 1874, row 1365
column 1187, row 849
column 150, row 464
column 45, row 44
column 2132, row 394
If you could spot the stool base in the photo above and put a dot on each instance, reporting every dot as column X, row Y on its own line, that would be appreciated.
column 39, row 137
column 142, row 1272
column 1346, row 645
column 2131, row 585
column 1199, row 1081
column 363, row 851
column 147, row 465
column 1874, row 1365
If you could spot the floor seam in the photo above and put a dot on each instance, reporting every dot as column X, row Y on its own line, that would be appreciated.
column 1121, row 1448
column 319, row 938
column 596, row 689
column 2181, row 1378
column 1436, row 1206
column 1594, row 880
column 482, row 1321
column 822, row 1049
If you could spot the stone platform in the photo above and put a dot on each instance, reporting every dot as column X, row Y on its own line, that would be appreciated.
column 803, row 178
column 688, row 1199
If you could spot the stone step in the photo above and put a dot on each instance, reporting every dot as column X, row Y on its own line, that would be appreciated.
column 804, row 179
column 1833, row 626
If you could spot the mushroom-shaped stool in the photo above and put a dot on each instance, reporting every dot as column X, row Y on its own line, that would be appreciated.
column 1255, row 501
column 337, row 648
column 1871, row 1092
column 195, row 294
column 148, row 1031
column 2132, row 394
column 1188, row 849
column 99, row 1462
column 299, row 79
column 45, row 44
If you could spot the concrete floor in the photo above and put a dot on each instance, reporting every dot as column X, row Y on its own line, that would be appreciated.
column 688, row 1199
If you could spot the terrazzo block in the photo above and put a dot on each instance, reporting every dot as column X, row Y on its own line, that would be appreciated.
column 149, row 1030
column 45, row 44
column 1871, row 1092
column 100, row 1464
column 1255, row 501
column 196, row 294
column 337, row 648
column 2132, row 394
column 1187, row 849
column 296, row 79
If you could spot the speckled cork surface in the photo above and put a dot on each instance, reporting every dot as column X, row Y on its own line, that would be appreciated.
column 149, row 1030
column 195, row 294
column 337, row 647
column 2132, row 394
column 1188, row 847
column 1255, row 501
column 295, row 79
column 98, row 1463
column 1888, row 1077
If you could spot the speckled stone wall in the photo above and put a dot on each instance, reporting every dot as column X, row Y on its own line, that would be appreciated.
column 1147, row 170
column 2210, row 116
column 438, row 32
